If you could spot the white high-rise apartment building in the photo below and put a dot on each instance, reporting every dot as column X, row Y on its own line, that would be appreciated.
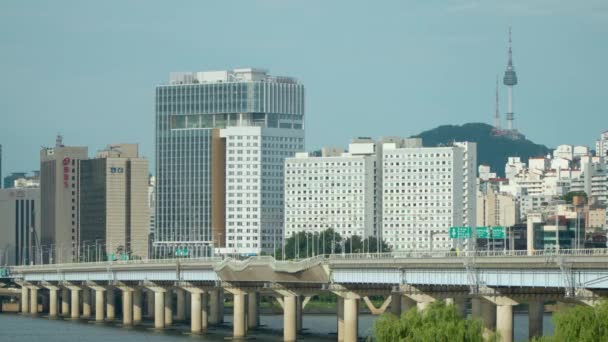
column 601, row 145
column 425, row 191
column 332, row 190
column 394, row 188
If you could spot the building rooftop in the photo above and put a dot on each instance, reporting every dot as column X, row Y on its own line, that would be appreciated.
column 228, row 76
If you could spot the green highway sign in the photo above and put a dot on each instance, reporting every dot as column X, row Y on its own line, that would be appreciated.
column 182, row 252
column 498, row 232
column 460, row 232
column 482, row 232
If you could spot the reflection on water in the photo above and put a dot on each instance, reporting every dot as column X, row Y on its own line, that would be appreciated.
column 318, row 327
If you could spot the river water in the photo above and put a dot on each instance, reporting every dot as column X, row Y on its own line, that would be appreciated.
column 318, row 327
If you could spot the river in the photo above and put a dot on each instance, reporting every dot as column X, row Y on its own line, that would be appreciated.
column 318, row 327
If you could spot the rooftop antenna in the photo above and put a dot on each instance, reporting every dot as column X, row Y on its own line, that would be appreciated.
column 497, row 113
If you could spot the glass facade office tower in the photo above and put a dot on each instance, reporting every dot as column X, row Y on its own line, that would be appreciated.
column 221, row 140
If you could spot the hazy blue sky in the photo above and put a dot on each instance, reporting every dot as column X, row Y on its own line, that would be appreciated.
column 88, row 69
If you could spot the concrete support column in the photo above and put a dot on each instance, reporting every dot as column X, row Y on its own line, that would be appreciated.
column 150, row 303
column 99, row 307
column 289, row 318
column 476, row 308
column 351, row 319
column 220, row 315
column 449, row 301
column 252, row 310
column 65, row 302
column 536, row 310
column 137, row 306
column 238, row 321
column 34, row 301
column 127, row 307
column 214, row 304
column 504, row 320
column 461, row 307
column 25, row 300
column 52, row 303
column 340, row 317
column 168, row 308
column 86, row 302
column 204, row 311
column 195, row 312
column 488, row 314
column 396, row 304
column 75, row 310
column 180, row 315
column 110, row 304
column 159, row 310
column 407, row 304
column 299, row 318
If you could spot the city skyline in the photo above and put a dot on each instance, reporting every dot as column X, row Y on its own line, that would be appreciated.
column 445, row 61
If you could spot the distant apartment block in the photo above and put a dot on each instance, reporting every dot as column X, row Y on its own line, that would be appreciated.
column 412, row 194
column 20, row 227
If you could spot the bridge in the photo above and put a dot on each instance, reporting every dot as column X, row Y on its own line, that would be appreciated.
column 493, row 283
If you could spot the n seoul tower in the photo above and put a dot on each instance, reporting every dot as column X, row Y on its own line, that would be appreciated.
column 510, row 80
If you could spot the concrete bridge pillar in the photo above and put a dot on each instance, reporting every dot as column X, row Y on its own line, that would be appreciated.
column 86, row 302
column 214, row 307
column 488, row 314
column 65, row 302
column 340, row 318
column 504, row 314
column 253, row 318
column 110, row 304
column 204, row 311
column 52, row 302
column 289, row 318
column 196, row 311
column 351, row 319
column 25, row 299
column 239, row 321
column 504, row 321
column 168, row 308
column 150, row 303
column 299, row 316
column 137, row 306
column 461, row 307
column 75, row 302
column 127, row 306
column 180, row 315
column 396, row 304
column 407, row 303
column 476, row 308
column 159, row 309
column 34, row 300
column 536, row 310
column 99, row 307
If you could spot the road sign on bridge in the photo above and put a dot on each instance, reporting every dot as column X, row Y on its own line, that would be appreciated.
column 461, row 232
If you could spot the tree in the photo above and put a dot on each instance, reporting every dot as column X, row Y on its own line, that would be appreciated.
column 580, row 323
column 569, row 196
column 438, row 322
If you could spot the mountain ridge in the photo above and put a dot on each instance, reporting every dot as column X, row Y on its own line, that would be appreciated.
column 491, row 150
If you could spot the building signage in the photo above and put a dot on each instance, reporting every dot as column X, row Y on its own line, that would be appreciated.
column 66, row 172
column 116, row 170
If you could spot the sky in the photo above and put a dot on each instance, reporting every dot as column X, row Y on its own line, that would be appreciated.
column 88, row 69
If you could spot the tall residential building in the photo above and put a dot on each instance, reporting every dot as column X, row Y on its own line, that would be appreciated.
column 20, row 227
column 425, row 191
column 332, row 190
column 601, row 145
column 59, row 189
column 412, row 194
column 113, row 204
column 221, row 139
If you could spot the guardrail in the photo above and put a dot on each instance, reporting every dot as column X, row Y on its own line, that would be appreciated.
column 471, row 254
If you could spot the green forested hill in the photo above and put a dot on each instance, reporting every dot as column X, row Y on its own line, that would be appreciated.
column 491, row 150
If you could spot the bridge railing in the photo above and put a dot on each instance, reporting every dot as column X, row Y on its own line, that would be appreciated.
column 119, row 262
column 469, row 254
